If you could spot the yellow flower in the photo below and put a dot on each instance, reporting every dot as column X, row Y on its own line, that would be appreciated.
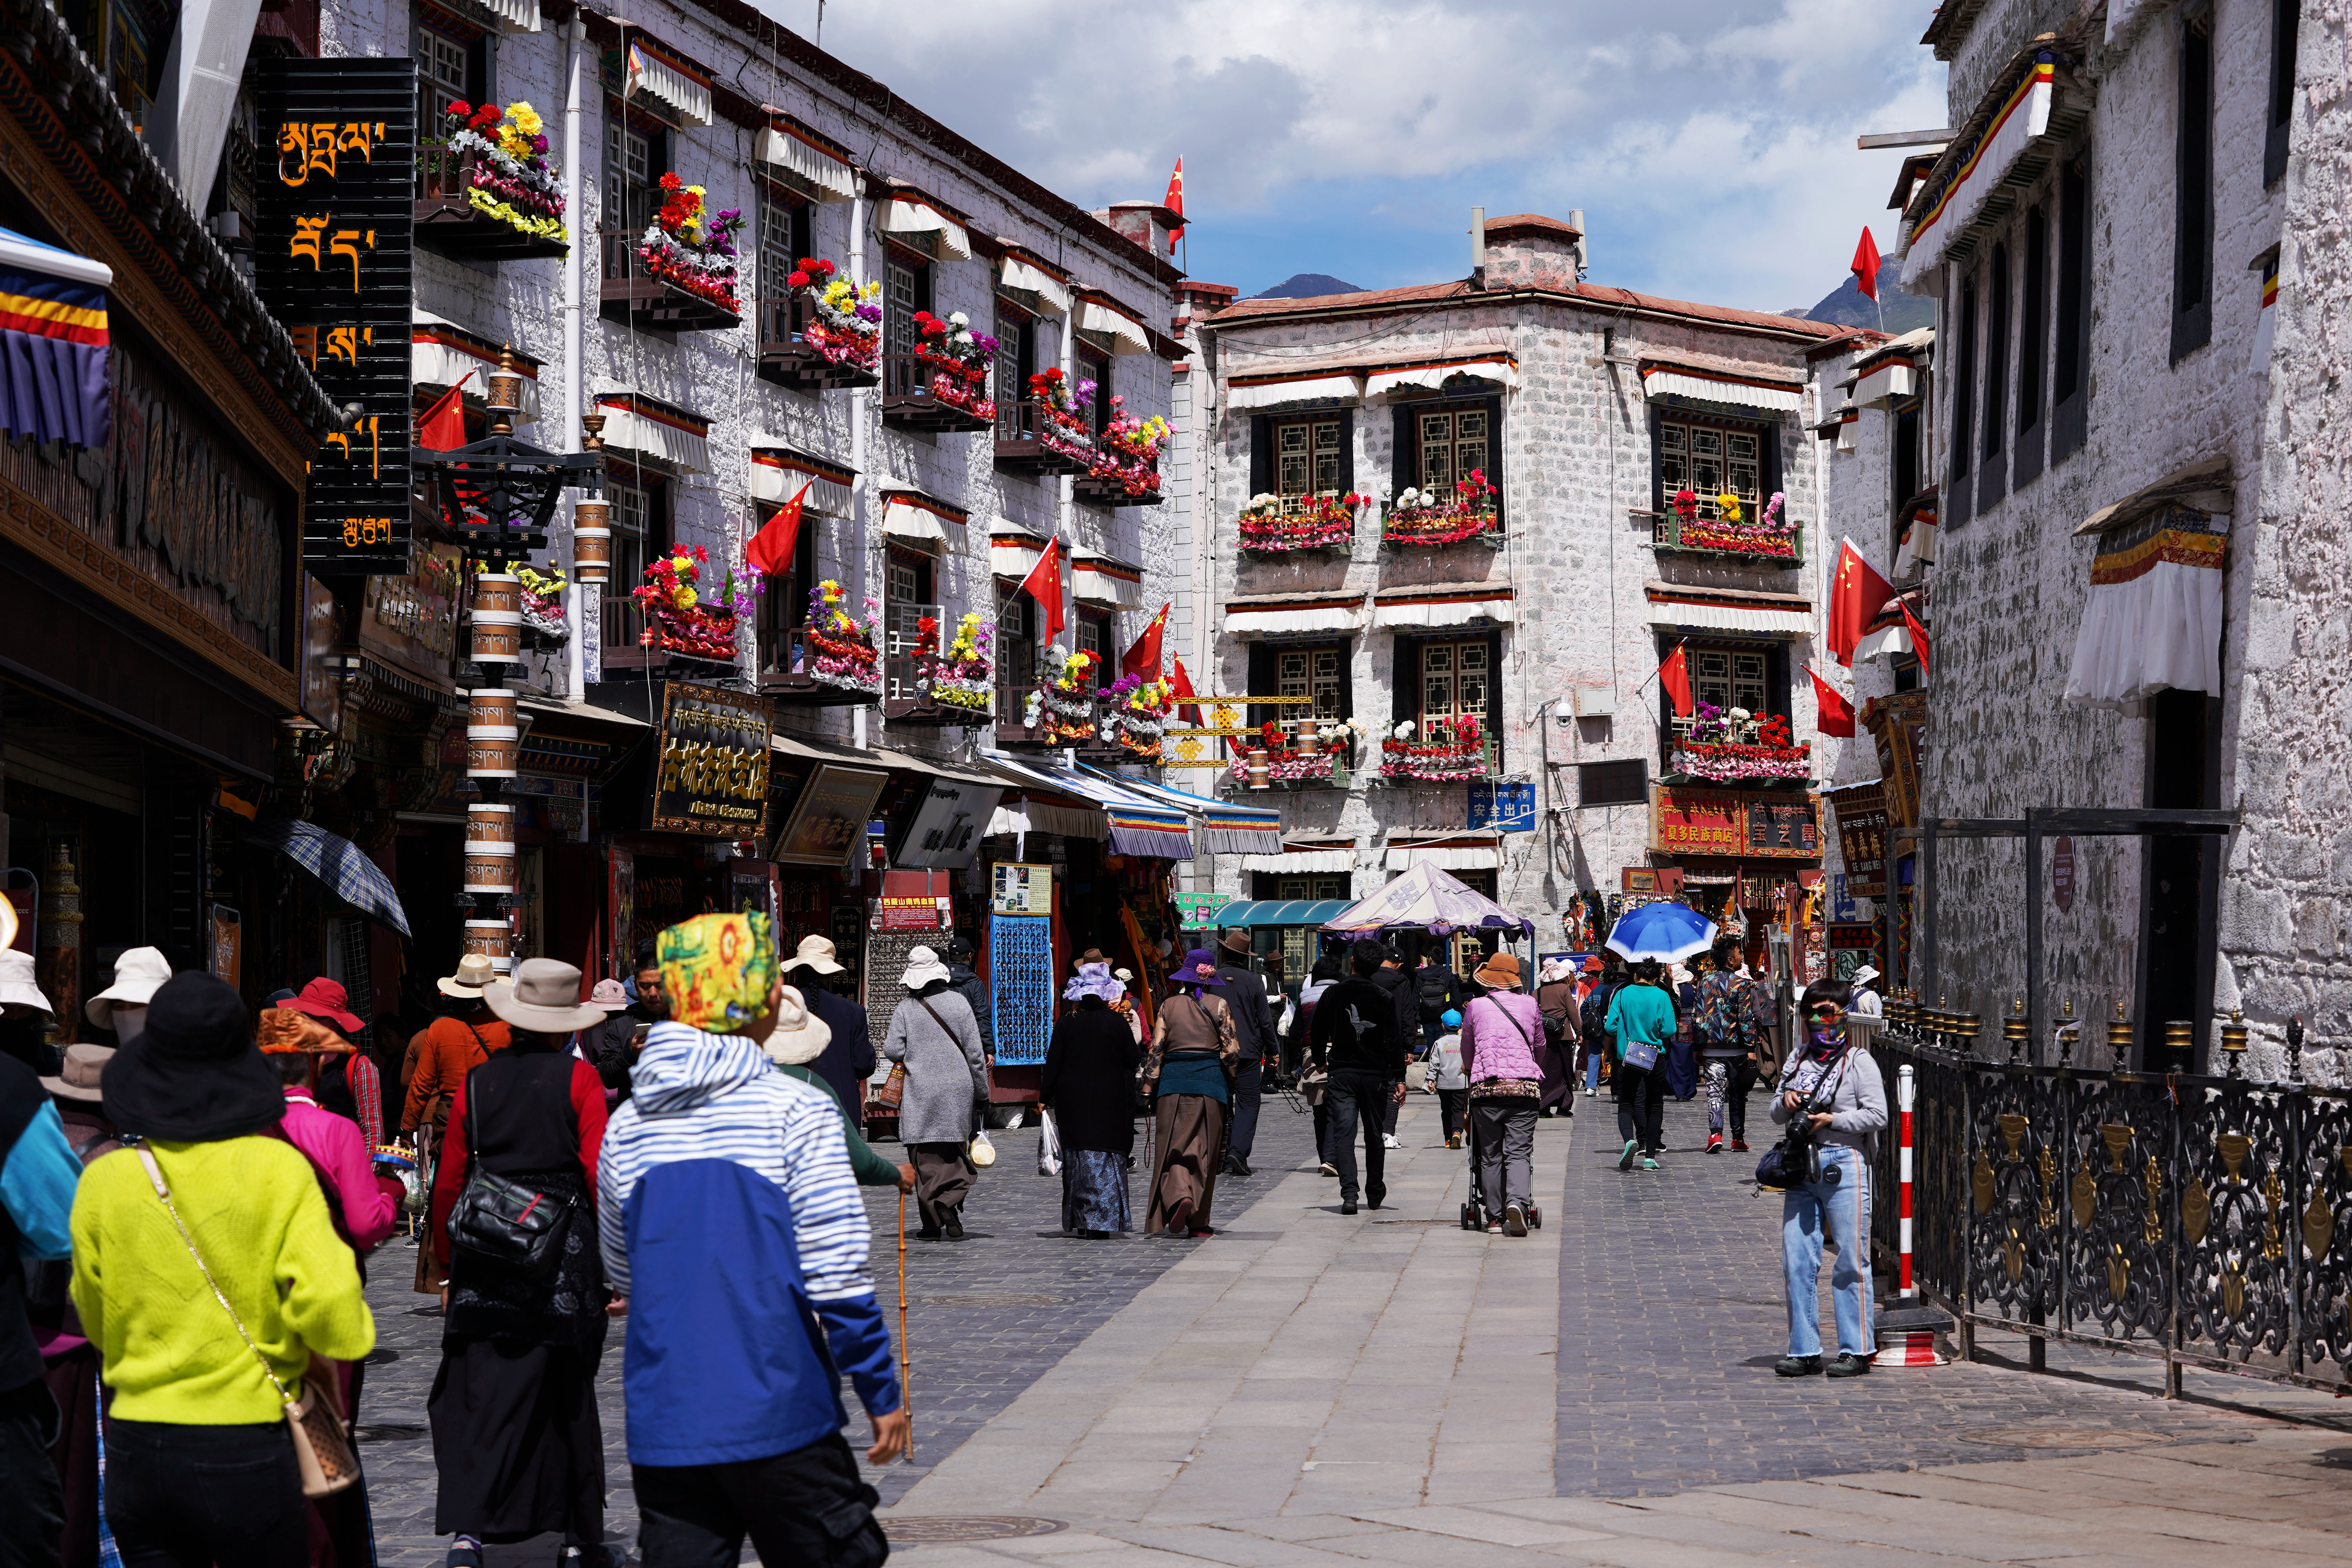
column 525, row 119
column 1728, row 504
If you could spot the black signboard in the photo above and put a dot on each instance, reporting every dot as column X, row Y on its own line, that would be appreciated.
column 331, row 260
column 1783, row 826
column 712, row 775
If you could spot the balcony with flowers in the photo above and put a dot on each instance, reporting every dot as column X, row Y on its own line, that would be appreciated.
column 1733, row 746
column 954, row 685
column 1135, row 715
column 1060, row 710
column 1316, row 755
column 823, row 333
column 1433, row 517
column 1050, row 431
column 1126, row 467
column 679, row 274
column 680, row 621
column 1449, row 751
column 1281, row 525
column 486, row 190
column 943, row 385
column 1721, row 526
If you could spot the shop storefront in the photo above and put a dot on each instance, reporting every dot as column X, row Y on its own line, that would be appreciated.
column 1750, row 860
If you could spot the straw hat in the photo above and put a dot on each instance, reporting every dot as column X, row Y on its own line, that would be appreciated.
column 800, row 1036
column 815, row 953
column 137, row 975
column 1499, row 972
column 474, row 972
column 543, row 997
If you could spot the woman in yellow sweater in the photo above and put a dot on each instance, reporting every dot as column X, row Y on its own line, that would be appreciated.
column 199, row 1465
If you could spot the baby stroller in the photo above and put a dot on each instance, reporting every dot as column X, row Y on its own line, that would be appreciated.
column 1474, row 1212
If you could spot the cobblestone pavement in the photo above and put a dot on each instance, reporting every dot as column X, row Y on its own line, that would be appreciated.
column 985, row 1316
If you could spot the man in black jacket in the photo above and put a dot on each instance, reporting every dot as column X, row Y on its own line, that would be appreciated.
column 1438, row 990
column 1361, row 1032
column 1254, row 1023
column 1396, row 979
column 965, row 982
column 848, row 1060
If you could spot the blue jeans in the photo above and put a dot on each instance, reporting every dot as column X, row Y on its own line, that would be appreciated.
column 1841, row 1210
column 1593, row 1070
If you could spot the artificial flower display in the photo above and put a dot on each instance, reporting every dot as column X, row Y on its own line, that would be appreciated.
column 959, row 360
column 1128, row 453
column 841, row 651
column 1285, row 764
column 689, row 249
column 846, row 320
column 1432, row 516
column 1135, row 713
column 1766, row 535
column 542, row 602
column 1731, row 745
column 512, row 180
column 1067, row 406
column 679, row 618
column 1272, row 524
column 959, row 676
column 1450, row 751
column 1063, row 705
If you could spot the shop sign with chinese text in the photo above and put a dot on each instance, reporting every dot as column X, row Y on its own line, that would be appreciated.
column 335, row 202
column 1862, row 829
column 1502, row 806
column 711, row 777
column 1735, row 823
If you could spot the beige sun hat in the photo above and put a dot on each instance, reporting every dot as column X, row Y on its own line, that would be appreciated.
column 78, row 1078
column 815, row 953
column 800, row 1036
column 923, row 966
column 19, row 987
column 474, row 972
column 137, row 975
column 543, row 997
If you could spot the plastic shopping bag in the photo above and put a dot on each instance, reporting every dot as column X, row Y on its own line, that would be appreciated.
column 1049, row 1146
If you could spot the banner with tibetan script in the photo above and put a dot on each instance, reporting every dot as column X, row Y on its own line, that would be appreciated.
column 711, row 776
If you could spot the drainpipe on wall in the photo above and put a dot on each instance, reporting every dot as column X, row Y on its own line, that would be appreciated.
column 862, row 489
column 587, row 618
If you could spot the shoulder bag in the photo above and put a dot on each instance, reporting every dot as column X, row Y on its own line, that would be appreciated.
column 322, row 1447
column 503, row 1222
column 1796, row 1159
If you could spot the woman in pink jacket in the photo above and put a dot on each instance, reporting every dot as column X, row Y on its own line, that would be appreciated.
column 1501, row 1033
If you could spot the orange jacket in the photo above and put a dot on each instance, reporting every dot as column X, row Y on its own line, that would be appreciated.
column 446, row 1052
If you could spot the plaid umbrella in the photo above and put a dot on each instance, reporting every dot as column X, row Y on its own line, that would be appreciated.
column 340, row 864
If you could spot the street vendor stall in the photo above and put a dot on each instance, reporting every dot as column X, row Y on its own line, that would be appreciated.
column 1294, row 928
column 1427, row 898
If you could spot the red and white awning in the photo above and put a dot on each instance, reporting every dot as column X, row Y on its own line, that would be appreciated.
column 1032, row 277
column 911, row 212
column 1099, row 580
column 1268, row 391
column 1729, row 610
column 2153, row 616
column 1100, row 313
column 1431, row 373
column 1887, row 380
column 1273, row 615
column 1444, row 605
column 2021, row 119
column 778, row 473
column 919, row 519
column 1305, row 858
column 1453, row 854
column 636, row 422
column 1745, row 389
column 441, row 354
column 1012, row 553
column 785, row 143
column 659, row 73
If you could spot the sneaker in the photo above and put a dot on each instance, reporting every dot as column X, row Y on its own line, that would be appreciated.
column 1626, row 1161
column 1848, row 1365
column 1455, row 1141
column 1649, row 1164
column 1590, row 1092
column 1739, row 1145
column 1389, row 1141
column 1346, row 1205
column 1330, row 1169
column 1797, row 1367
column 1494, row 1229
column 1515, row 1219
column 1715, row 1142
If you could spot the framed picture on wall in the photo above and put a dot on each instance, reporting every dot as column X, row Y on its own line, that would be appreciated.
column 830, row 814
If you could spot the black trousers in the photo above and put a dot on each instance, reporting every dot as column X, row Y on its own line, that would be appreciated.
column 189, row 1496
column 1642, row 1104
column 1323, row 1129
column 1356, row 1097
column 32, row 1503
column 804, row 1507
column 1247, row 1084
column 1450, row 1105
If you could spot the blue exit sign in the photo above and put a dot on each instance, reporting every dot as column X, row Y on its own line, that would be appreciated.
column 1505, row 806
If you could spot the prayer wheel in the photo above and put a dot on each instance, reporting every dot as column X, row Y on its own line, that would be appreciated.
column 1259, row 771
column 592, row 542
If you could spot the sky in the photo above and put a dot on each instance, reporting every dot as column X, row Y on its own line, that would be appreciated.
column 1709, row 142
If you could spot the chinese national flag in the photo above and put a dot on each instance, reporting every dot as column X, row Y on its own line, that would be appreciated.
column 1856, row 595
column 443, row 427
column 1675, row 676
column 1044, row 584
column 1175, row 202
column 1832, row 714
column 1182, row 684
column 770, row 551
column 1143, row 658
column 1865, row 264
column 1918, row 634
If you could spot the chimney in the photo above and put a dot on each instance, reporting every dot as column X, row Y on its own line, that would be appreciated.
column 1478, row 247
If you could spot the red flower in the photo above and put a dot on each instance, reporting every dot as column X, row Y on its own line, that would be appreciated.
column 672, row 183
column 700, row 554
column 460, row 110
column 798, row 280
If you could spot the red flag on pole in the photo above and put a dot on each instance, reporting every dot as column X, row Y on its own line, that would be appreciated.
column 771, row 549
column 1174, row 203
column 1143, row 658
column 443, row 427
column 1832, row 713
column 1675, row 676
column 1918, row 633
column 1856, row 595
column 1044, row 584
column 1865, row 264
column 1182, row 684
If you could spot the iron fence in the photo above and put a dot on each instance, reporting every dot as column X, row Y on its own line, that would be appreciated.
column 2200, row 1220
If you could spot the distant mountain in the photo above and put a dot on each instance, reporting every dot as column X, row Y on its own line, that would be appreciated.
column 1849, row 307
column 1307, row 286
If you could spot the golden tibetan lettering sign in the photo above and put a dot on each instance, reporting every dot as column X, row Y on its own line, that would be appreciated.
column 712, row 774
column 1734, row 823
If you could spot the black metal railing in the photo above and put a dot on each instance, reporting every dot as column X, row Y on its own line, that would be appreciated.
column 2197, row 1219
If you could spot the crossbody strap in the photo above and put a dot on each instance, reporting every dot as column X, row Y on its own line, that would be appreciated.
column 163, row 1192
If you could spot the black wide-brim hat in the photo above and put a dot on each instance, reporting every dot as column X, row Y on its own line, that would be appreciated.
column 195, row 1076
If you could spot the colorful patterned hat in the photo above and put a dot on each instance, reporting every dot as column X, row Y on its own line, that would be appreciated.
column 718, row 971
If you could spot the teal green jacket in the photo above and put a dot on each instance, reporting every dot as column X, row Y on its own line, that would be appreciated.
column 871, row 1169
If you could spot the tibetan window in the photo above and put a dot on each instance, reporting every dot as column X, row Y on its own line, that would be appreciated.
column 1709, row 459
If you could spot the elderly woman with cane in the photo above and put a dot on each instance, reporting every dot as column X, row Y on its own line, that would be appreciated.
column 1195, row 1048
column 934, row 1035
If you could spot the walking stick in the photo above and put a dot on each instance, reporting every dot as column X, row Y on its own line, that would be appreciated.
column 904, row 1399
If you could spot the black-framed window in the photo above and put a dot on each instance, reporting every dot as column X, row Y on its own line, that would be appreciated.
column 637, row 155
column 1709, row 456
column 1992, row 473
column 1321, row 670
column 2032, row 347
column 1432, row 679
column 787, row 235
column 1017, row 650
column 640, row 532
column 1613, row 783
column 2069, row 354
column 908, row 578
column 1090, row 632
column 2192, row 220
column 1964, row 396
column 783, row 601
column 905, row 289
column 452, row 67
column 1309, row 451
column 1726, row 674
column 1908, row 467
column 1440, row 441
column 2286, row 22
column 1090, row 363
column 1016, row 362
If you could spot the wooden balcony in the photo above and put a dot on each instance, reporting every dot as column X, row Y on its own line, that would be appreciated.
column 448, row 223
column 1020, row 446
column 1093, row 491
column 632, row 299
column 1667, row 536
column 787, row 360
column 1487, row 761
column 907, row 402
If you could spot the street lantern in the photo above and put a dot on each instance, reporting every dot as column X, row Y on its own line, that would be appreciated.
column 497, row 495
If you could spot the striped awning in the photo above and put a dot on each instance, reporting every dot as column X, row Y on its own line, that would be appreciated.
column 1490, row 365
column 1445, row 854
column 1729, row 610
column 1219, row 827
column 652, row 428
column 816, row 162
column 1663, row 376
column 1099, row 580
column 1296, row 859
column 56, row 342
column 1268, row 391
column 909, row 211
column 908, row 515
column 1013, row 552
column 1888, row 379
column 514, row 16
column 778, row 473
column 1136, row 824
column 1274, row 614
column 1100, row 313
column 442, row 354
column 1444, row 605
column 1032, row 276
column 659, row 73
column 1973, row 170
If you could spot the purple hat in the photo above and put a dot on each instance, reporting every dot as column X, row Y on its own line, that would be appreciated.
column 1093, row 980
column 1198, row 969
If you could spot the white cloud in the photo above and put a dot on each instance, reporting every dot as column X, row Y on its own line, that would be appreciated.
column 1709, row 141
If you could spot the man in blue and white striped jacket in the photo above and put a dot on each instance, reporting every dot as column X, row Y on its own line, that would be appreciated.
column 733, row 1224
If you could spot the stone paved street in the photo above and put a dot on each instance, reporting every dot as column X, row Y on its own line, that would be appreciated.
column 1318, row 1389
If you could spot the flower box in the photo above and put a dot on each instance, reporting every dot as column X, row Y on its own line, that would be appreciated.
column 1430, row 519
column 840, row 651
column 824, row 332
column 487, row 190
column 1448, row 753
column 1061, row 711
column 959, row 677
column 542, row 608
column 1125, row 470
column 1724, row 762
column 1273, row 525
column 679, row 619
column 1135, row 715
column 1721, row 526
column 680, row 273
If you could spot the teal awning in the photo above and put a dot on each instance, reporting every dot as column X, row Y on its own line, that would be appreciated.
column 1279, row 912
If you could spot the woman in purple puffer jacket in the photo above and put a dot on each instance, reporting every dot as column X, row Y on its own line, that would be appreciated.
column 1501, row 1032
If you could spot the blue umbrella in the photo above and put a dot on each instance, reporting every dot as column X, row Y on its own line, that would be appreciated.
column 1665, row 932
column 340, row 864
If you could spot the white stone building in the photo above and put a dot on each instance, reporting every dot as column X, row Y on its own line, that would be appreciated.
column 2125, row 178
column 1587, row 408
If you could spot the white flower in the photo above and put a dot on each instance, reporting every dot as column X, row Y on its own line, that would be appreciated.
column 959, row 319
column 1739, row 713
column 1403, row 730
